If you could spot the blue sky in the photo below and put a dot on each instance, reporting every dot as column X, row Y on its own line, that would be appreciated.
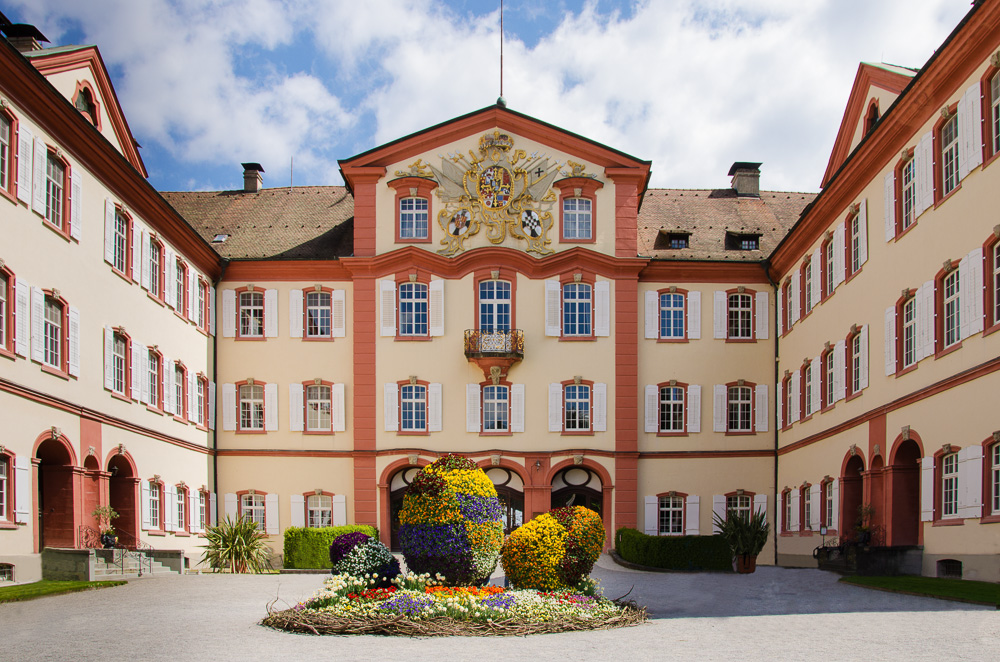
column 691, row 85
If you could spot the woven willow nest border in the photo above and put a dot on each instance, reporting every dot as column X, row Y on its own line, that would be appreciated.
column 304, row 622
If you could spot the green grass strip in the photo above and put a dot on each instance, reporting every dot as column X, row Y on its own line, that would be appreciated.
column 963, row 590
column 46, row 587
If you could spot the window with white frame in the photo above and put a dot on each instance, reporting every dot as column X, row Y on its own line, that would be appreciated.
column 202, row 511
column 251, row 314
column 496, row 409
column 949, row 156
column 318, row 314
column 413, row 408
column 577, row 218
column 200, row 400
column 910, row 332
column 119, row 363
column 856, row 238
column 994, row 118
column 180, row 380
column 53, row 332
column 251, row 407
column 181, row 522
column 996, row 282
column 828, row 378
column 413, row 218
column 740, row 318
column 413, row 309
column 828, row 504
column 856, row 366
column 319, row 510
column 4, row 310
column 55, row 182
column 671, row 409
column 154, row 505
column 577, row 309
column 739, row 505
column 807, row 289
column 949, row 485
column 807, row 378
column 828, row 267
column 908, row 174
column 153, row 377
column 671, row 315
column 202, row 302
column 6, row 154
column 951, row 303
column 155, row 260
column 5, row 481
column 120, row 242
column 740, row 409
column 318, row 408
column 671, row 516
column 494, row 306
column 789, row 401
column 995, row 478
column 180, row 287
column 807, row 506
column 786, row 501
column 252, row 507
column 576, row 408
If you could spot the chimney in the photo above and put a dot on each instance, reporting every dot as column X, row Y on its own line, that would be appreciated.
column 23, row 37
column 252, row 180
column 746, row 179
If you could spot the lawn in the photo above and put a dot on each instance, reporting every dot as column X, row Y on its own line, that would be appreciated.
column 46, row 587
column 934, row 587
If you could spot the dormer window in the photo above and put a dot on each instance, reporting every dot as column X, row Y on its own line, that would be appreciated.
column 85, row 101
column 742, row 242
column 672, row 240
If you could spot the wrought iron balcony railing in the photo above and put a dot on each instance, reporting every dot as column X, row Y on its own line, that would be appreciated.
column 480, row 342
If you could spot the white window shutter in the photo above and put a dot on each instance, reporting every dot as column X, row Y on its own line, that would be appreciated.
column 602, row 308
column 109, row 231
column 74, row 341
column 652, row 309
column 167, row 377
column 24, row 142
column 270, row 313
column 38, row 176
column 817, row 278
column 553, row 308
column 972, row 480
column 229, row 406
column 435, row 403
column 211, row 311
column 927, row 489
column 889, row 204
column 192, row 403
column 297, row 503
column 517, row 408
column 816, row 511
column 296, row 408
column 834, row 486
column 138, row 373
column 339, row 510
column 975, row 134
column 779, row 401
column 839, row 255
column 109, row 371
column 231, row 505
column 925, row 172
column 719, row 408
column 143, row 367
column 721, row 313
column 145, row 506
column 22, row 323
column 271, row 407
column 338, row 327
column 925, row 320
column 863, row 376
column 794, row 524
column 22, row 489
column 760, row 504
column 387, row 297
column 796, row 385
column 890, row 340
column 863, row 231
column 795, row 289
column 37, row 324
column 295, row 313
column 170, row 278
column 780, row 301
column 228, row 313
column 555, row 407
column 390, row 406
column 694, row 315
column 146, row 259
column 472, row 413
column 718, row 508
column 339, row 416
column 762, row 411
column 817, row 391
column 435, row 313
column 840, row 370
column 652, row 417
column 271, row 525
column 211, row 407
column 964, row 135
column 651, row 516
column 600, row 407
column 136, row 251
column 763, row 314
column 694, row 408
column 192, row 511
column 692, row 514
column 169, row 508
column 976, row 321
column 965, row 297
column 192, row 279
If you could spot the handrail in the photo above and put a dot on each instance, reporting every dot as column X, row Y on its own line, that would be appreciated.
column 485, row 341
column 126, row 547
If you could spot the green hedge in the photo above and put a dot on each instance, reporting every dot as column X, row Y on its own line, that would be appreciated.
column 674, row 552
column 309, row 548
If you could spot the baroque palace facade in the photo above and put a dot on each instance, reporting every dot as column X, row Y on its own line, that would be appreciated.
column 501, row 288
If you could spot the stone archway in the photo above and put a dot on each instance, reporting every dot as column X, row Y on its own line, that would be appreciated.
column 123, row 487
column 578, row 486
column 398, row 485
column 903, row 517
column 851, row 496
column 510, row 493
column 58, row 511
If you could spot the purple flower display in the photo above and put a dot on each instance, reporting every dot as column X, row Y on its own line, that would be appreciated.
column 499, row 601
column 477, row 509
column 407, row 604
column 436, row 548
column 342, row 545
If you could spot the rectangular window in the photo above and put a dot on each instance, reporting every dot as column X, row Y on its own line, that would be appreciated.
column 855, row 240
column 202, row 301
column 413, row 408
column 577, row 408
column 671, row 516
column 120, row 245
column 252, row 506
column 996, row 283
column 53, row 333
column 319, row 508
column 789, row 401
column 251, row 314
column 949, row 485
column 494, row 306
column 496, row 409
column 318, row 408
column 672, row 316
column 119, row 363
column 828, row 267
column 949, row 156
column 154, row 505
column 787, row 502
column 4, row 487
column 740, row 316
column 200, row 401
column 55, row 177
column 318, row 314
column 251, row 407
column 155, row 257
column 740, row 408
column 909, row 333
column 952, row 312
column 828, row 501
column 4, row 310
column 180, row 379
column 413, row 218
column 807, row 379
column 806, row 509
column 995, row 111
column 671, row 409
column 181, row 287
column 807, row 290
column 577, row 221
column 828, row 378
column 202, row 511
column 181, row 510
column 856, row 363
column 5, row 152
column 909, row 189
column 995, row 477
column 577, row 309
column 738, row 505
column 153, row 375
column 413, row 309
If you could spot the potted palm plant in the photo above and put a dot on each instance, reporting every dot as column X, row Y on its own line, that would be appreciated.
column 104, row 515
column 746, row 534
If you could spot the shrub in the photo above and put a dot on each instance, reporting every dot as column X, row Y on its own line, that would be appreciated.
column 450, row 523
column 359, row 555
column 236, row 544
column 554, row 551
column 674, row 552
column 309, row 548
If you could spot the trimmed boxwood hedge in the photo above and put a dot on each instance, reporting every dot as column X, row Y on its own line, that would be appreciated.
column 674, row 552
column 309, row 548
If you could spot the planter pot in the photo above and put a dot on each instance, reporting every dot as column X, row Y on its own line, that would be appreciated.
column 745, row 563
column 108, row 540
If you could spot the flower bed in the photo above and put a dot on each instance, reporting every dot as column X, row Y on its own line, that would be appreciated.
column 418, row 605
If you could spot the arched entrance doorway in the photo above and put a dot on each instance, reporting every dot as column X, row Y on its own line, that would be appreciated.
column 397, row 490
column 903, row 521
column 123, row 485
column 510, row 493
column 578, row 486
column 56, row 495
column 851, row 496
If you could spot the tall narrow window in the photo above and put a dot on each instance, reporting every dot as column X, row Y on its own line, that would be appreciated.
column 496, row 409
column 671, row 315
column 856, row 366
column 180, row 273
column 740, row 316
column 807, row 391
column 740, row 409
column 413, row 218
column 909, row 189
column 4, row 487
column 807, row 290
column 318, row 408
column 318, row 314
column 671, row 409
column 55, row 179
column 786, row 501
column 413, row 408
column 4, row 311
column 181, row 522
column 949, row 485
column 828, row 378
column 413, row 309
column 154, row 505
column 180, row 380
column 577, row 408
column 910, row 332
column 319, row 508
column 6, row 155
column 120, row 247
column 828, row 503
column 119, row 363
column 577, row 309
column 807, row 506
column 952, row 312
column 995, row 477
column 252, row 506
column 577, row 218
column 202, row 301
column 53, row 333
column 251, row 407
column 200, row 401
column 671, row 516
column 995, row 111
column 251, row 314
column 996, row 282
column 855, row 239
column 828, row 268
column 155, row 258
column 153, row 377
column 949, row 156
column 494, row 306
column 202, row 511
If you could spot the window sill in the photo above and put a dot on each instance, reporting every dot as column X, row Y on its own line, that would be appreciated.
column 8, row 526
column 564, row 240
column 412, row 338
column 741, row 340
column 155, row 298
column 413, row 240
column 805, row 418
column 948, row 522
column 948, row 350
column 121, row 275
column 317, row 339
column 852, row 276
column 905, row 370
column 786, row 534
column 202, row 331
column 739, row 433
column 902, row 233
column 321, row 433
column 180, row 419
column 990, row 519
column 578, row 433
column 990, row 159
column 251, row 431
column 854, row 396
column 577, row 338
column 181, row 534
column 672, row 434
column 153, row 410
column 806, row 534
column 7, row 353
column 249, row 338
column 827, row 408
column 56, row 372
column 56, row 229
column 940, row 201
column 10, row 195
column 498, row 433
column 120, row 396
column 987, row 331
column 181, row 315
column 673, row 340
column 201, row 427
column 414, row 433
column 157, row 532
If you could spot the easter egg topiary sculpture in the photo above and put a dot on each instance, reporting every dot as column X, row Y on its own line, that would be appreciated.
column 554, row 551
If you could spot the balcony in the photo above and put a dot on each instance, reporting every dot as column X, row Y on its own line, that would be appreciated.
column 494, row 350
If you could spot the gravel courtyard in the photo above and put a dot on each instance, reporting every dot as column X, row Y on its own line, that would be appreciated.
column 774, row 614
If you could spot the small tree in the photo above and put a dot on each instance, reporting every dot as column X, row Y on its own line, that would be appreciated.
column 746, row 534
column 104, row 515
column 236, row 544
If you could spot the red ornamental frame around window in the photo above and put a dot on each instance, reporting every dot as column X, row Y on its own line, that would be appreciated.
column 898, row 192
column 204, row 524
column 785, row 421
column 753, row 314
column 992, row 293
column 872, row 115
column 588, row 278
column 239, row 407
column 11, row 490
column 64, row 222
column 127, row 395
column 157, row 405
column 413, row 187
column 826, row 403
column 852, row 216
column 939, row 519
column 305, row 313
column 905, row 298
column 786, row 307
column 753, row 409
column 939, row 311
column 305, row 406
column 939, row 196
column 785, row 497
column 183, row 528
column 63, row 369
column 683, row 386
column 505, row 274
column 987, row 114
column 202, row 288
column 590, row 409
column 239, row 503
column 182, row 295
column 684, row 304
column 825, row 284
column 420, row 277
column 825, row 486
column 427, row 408
column 482, row 410
column 159, row 529
column 736, row 493
column 803, row 417
column 85, row 86
column 203, row 380
column 10, row 296
column 849, row 363
column 12, row 157
column 989, row 514
column 684, row 497
column 584, row 188
column 263, row 315
column 305, row 504
column 161, row 286
column 806, row 268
